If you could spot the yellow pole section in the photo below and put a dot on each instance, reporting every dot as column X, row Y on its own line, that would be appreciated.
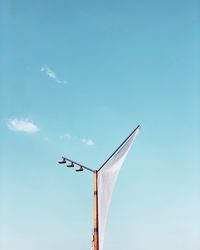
column 96, row 219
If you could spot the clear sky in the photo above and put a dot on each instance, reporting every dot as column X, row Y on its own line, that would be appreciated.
column 76, row 78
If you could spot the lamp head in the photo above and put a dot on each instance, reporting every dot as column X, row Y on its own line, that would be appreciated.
column 79, row 169
column 63, row 161
column 71, row 165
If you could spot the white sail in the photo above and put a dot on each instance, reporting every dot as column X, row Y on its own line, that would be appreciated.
column 107, row 177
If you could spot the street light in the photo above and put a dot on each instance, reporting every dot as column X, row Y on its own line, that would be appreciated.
column 63, row 161
column 73, row 164
column 104, row 181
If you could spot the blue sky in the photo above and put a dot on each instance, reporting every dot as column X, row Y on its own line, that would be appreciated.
column 76, row 78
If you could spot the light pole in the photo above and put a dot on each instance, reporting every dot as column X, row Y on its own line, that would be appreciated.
column 80, row 168
column 104, row 181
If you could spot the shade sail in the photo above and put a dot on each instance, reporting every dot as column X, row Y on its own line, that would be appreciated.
column 107, row 177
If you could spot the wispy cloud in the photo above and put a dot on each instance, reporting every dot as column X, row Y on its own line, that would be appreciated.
column 51, row 74
column 88, row 142
column 66, row 136
column 22, row 125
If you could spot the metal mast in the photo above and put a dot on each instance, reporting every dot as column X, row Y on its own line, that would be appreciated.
column 95, row 173
column 96, row 214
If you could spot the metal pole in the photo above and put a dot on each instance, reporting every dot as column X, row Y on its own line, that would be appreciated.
column 96, row 216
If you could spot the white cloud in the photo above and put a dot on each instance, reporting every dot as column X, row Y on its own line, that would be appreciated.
column 65, row 136
column 68, row 136
column 51, row 74
column 88, row 142
column 22, row 125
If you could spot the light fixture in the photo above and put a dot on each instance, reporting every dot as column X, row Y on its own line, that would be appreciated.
column 63, row 161
column 79, row 169
column 71, row 165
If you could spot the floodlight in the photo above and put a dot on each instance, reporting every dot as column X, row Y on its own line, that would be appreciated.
column 63, row 161
column 71, row 165
column 79, row 169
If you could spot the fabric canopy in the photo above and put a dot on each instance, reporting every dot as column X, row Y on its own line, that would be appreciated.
column 107, row 177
